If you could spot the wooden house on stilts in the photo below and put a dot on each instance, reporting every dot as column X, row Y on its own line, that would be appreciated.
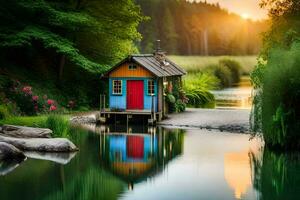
column 137, row 86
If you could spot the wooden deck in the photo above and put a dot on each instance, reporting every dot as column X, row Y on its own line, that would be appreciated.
column 126, row 112
column 107, row 113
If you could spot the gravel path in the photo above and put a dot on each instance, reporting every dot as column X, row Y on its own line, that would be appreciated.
column 231, row 120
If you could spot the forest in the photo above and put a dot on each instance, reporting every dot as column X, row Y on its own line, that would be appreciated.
column 198, row 28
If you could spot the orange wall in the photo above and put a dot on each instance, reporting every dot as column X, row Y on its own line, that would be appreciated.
column 123, row 71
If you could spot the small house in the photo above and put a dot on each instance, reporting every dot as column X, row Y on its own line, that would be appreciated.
column 137, row 84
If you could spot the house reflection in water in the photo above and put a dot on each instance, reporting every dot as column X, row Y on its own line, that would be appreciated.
column 135, row 155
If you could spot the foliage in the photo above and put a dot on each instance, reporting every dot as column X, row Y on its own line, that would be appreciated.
column 280, row 107
column 176, row 97
column 234, row 67
column 171, row 98
column 197, row 87
column 285, row 27
column 27, row 101
column 180, row 106
column 50, row 45
column 4, row 112
column 59, row 124
column 223, row 73
column 171, row 102
column 60, row 23
column 276, row 78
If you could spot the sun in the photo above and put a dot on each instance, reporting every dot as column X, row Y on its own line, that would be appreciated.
column 245, row 16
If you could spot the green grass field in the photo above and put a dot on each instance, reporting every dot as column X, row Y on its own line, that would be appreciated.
column 195, row 63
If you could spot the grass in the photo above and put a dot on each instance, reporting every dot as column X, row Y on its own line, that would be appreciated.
column 33, row 121
column 197, row 87
column 59, row 124
column 198, row 63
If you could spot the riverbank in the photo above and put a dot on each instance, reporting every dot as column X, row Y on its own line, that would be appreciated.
column 229, row 120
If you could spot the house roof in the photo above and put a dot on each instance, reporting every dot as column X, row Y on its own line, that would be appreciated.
column 152, row 64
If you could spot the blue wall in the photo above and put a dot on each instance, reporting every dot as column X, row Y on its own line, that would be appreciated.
column 119, row 101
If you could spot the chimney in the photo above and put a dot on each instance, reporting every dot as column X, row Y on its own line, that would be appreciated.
column 160, row 55
column 158, row 49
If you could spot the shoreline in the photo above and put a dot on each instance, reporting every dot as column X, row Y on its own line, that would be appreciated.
column 229, row 120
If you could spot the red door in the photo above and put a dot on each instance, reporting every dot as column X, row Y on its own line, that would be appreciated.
column 135, row 95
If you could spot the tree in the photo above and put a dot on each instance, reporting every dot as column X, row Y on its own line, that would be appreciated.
column 168, row 33
column 89, row 33
column 276, row 78
column 285, row 28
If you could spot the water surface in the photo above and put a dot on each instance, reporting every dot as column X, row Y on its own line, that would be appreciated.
column 121, row 162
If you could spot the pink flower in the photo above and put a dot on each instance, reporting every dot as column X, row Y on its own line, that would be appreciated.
column 52, row 108
column 36, row 108
column 27, row 90
column 35, row 98
column 50, row 102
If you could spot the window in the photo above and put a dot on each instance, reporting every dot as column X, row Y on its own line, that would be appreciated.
column 151, row 87
column 132, row 67
column 117, row 87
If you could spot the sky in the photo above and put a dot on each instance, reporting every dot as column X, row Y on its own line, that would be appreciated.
column 245, row 8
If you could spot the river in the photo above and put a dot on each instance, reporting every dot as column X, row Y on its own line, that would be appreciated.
column 239, row 97
column 136, row 162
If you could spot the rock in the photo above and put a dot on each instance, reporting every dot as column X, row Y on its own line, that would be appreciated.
column 41, row 144
column 9, row 152
column 25, row 132
column 90, row 119
column 61, row 158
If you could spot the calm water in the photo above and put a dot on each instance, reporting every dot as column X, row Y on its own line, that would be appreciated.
column 154, row 163
column 235, row 97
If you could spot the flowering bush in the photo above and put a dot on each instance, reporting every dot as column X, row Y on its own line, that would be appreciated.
column 52, row 108
column 50, row 102
column 29, row 103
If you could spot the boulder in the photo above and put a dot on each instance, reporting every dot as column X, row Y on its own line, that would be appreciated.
column 41, row 144
column 9, row 152
column 25, row 132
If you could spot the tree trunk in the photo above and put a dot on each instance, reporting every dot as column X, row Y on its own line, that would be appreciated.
column 61, row 67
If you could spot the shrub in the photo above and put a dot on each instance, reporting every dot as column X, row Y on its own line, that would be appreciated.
column 171, row 100
column 58, row 124
column 222, row 73
column 234, row 67
column 280, row 99
column 197, row 88
column 180, row 105
column 4, row 112
column 29, row 103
